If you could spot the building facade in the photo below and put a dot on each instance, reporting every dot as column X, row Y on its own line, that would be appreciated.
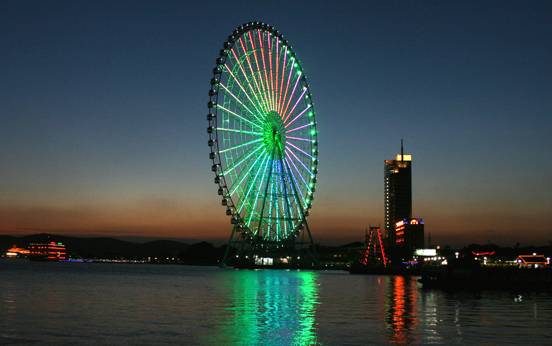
column 50, row 251
column 409, row 235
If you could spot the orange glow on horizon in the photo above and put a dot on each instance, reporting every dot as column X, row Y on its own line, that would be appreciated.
column 329, row 222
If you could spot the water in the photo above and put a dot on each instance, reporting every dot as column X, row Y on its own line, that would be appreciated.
column 76, row 303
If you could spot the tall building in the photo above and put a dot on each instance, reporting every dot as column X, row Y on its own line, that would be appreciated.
column 398, row 192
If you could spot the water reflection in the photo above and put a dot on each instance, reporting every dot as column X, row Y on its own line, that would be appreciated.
column 269, row 308
column 402, row 317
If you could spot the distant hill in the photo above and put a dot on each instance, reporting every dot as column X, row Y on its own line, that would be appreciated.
column 111, row 248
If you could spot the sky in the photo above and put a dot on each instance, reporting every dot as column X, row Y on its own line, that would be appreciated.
column 103, row 105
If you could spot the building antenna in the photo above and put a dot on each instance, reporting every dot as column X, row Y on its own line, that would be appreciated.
column 402, row 151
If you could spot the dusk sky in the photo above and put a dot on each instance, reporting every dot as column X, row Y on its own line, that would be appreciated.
column 103, row 104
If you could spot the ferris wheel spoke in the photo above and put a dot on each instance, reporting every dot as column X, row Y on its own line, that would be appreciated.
column 244, row 132
column 257, row 106
column 265, row 193
column 265, row 68
column 281, row 88
column 293, row 183
column 296, row 103
column 264, row 81
column 269, row 223
column 281, row 74
column 241, row 145
column 254, row 206
column 289, row 160
column 235, row 79
column 289, row 78
column 263, row 58
column 299, row 128
column 309, row 106
column 246, row 173
column 239, row 101
column 277, row 60
column 282, row 208
column 246, row 54
column 239, row 116
column 276, row 214
column 254, row 183
column 291, row 95
column 254, row 49
column 299, row 139
column 244, row 200
column 286, row 200
column 261, row 104
column 295, row 213
column 299, row 206
column 269, row 41
column 227, row 171
column 299, row 160
column 259, row 101
column 300, row 150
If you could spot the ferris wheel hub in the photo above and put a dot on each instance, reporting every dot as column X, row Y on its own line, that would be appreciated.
column 274, row 134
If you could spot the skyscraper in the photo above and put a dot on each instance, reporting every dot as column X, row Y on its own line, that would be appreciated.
column 398, row 192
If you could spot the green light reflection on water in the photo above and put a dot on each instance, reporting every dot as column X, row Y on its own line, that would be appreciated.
column 269, row 307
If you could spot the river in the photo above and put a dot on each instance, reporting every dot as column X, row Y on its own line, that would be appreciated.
column 140, row 304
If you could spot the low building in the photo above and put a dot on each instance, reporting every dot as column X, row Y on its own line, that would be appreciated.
column 15, row 251
column 51, row 251
column 532, row 261
column 409, row 234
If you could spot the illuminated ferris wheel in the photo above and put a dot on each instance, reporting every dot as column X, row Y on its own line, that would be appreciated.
column 262, row 135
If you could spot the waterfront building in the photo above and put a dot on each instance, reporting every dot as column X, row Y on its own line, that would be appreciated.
column 15, row 251
column 50, row 251
column 409, row 235
column 532, row 261
column 397, row 192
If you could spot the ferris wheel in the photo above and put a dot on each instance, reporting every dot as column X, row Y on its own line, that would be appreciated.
column 262, row 135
